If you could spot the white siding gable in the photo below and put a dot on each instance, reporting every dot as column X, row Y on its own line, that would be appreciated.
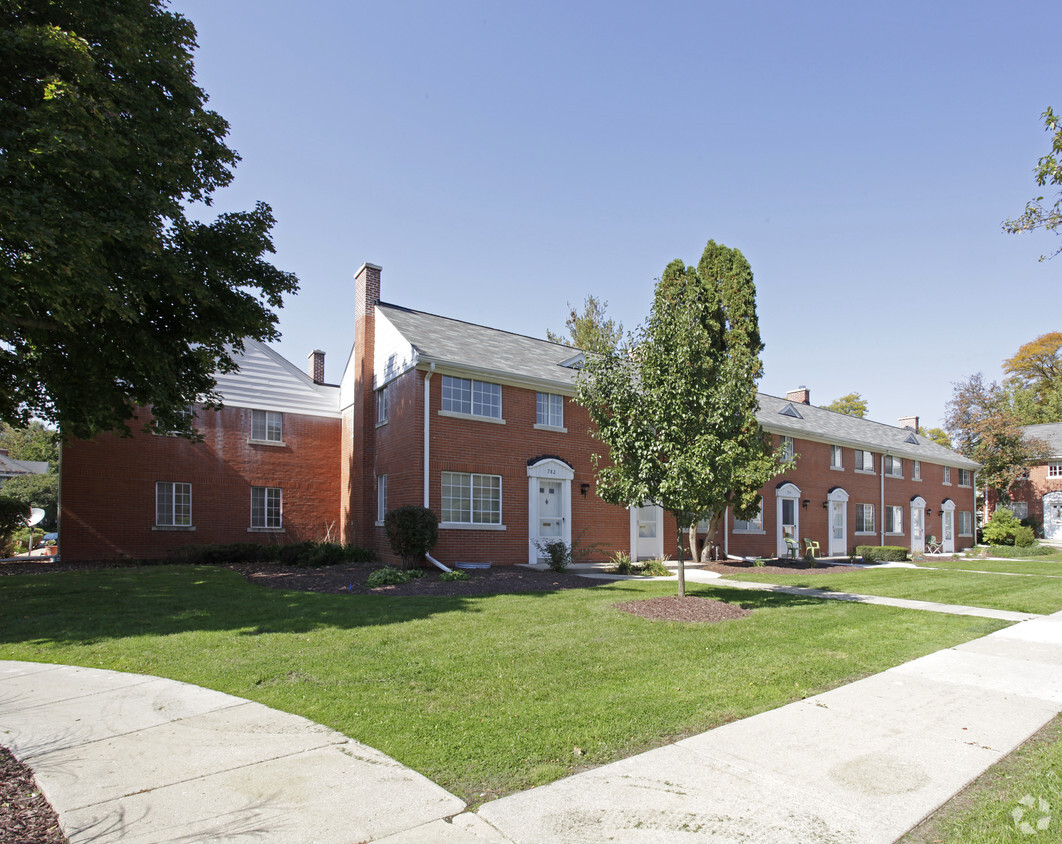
column 393, row 354
column 267, row 381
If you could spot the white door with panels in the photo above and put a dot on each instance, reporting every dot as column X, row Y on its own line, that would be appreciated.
column 549, row 505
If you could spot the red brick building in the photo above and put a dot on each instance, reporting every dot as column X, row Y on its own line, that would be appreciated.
column 1038, row 496
column 481, row 426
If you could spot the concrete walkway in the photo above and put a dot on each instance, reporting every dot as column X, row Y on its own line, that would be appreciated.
column 130, row 758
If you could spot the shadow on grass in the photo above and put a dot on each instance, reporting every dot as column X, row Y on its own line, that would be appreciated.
column 89, row 606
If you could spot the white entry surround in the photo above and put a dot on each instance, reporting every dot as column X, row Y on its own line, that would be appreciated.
column 837, row 503
column 918, row 525
column 1053, row 515
column 788, row 497
column 647, row 532
column 947, row 518
column 549, row 504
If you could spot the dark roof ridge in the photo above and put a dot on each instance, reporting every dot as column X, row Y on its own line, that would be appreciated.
column 475, row 325
column 838, row 413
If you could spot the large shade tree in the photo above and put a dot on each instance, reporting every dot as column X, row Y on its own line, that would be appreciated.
column 111, row 296
column 677, row 408
column 1044, row 212
column 852, row 404
column 591, row 330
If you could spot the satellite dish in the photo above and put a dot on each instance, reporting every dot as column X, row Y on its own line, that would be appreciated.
column 36, row 515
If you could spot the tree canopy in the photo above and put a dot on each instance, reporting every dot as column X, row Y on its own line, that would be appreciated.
column 1037, row 365
column 852, row 404
column 39, row 443
column 1041, row 212
column 110, row 295
column 677, row 410
column 590, row 330
column 937, row 435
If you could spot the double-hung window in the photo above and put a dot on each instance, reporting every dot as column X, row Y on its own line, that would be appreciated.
column 549, row 410
column 383, row 404
column 788, row 448
column 1054, row 470
column 754, row 525
column 965, row 523
column 266, row 507
column 893, row 519
column 916, row 470
column 835, row 457
column 471, row 499
column 473, row 398
column 864, row 461
column 864, row 514
column 893, row 466
column 381, row 497
column 965, row 477
column 947, row 475
column 267, row 426
column 173, row 504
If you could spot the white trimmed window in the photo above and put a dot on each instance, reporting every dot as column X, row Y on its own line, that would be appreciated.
column 836, row 461
column 381, row 497
column 173, row 504
column 1054, row 470
column 788, row 448
column 266, row 507
column 549, row 410
column 864, row 461
column 1020, row 509
column 916, row 470
column 965, row 523
column 947, row 475
column 752, row 525
column 471, row 499
column 267, row 426
column 893, row 519
column 383, row 404
column 965, row 477
column 893, row 466
column 474, row 398
column 864, row 515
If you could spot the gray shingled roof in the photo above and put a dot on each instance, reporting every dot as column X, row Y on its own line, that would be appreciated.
column 443, row 340
column 1050, row 433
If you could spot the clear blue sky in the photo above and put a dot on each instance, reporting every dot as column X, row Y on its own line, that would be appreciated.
column 499, row 160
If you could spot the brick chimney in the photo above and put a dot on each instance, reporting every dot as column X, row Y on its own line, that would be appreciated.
column 315, row 366
column 359, row 434
column 909, row 422
column 801, row 395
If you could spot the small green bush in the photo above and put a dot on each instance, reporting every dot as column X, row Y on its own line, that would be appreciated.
column 1002, row 528
column 387, row 576
column 416, row 574
column 456, row 574
column 412, row 532
column 1024, row 537
column 1013, row 551
column 557, row 551
column 759, row 562
column 882, row 553
column 621, row 563
column 654, row 568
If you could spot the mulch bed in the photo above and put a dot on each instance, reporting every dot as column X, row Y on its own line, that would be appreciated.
column 734, row 568
column 25, row 816
column 689, row 608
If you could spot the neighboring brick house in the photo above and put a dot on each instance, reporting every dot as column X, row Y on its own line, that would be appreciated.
column 265, row 470
column 481, row 426
column 1038, row 496
column 11, row 468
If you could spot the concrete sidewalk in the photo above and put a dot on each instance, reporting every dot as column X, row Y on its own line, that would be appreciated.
column 134, row 758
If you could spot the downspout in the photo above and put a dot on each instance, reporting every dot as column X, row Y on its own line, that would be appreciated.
column 427, row 435
column 883, row 496
column 726, row 532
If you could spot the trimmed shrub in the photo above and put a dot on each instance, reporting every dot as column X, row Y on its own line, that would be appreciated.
column 1024, row 537
column 412, row 532
column 558, row 553
column 456, row 574
column 882, row 553
column 1001, row 528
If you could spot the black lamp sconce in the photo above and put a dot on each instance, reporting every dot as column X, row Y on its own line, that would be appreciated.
column 583, row 489
column 807, row 501
column 928, row 512
column 825, row 505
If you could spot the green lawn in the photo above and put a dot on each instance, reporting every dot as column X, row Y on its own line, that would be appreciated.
column 1034, row 594
column 1050, row 566
column 484, row 695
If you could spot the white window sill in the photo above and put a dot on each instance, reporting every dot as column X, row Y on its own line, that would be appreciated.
column 945, row 483
column 471, row 417
column 174, row 527
column 896, row 477
column 837, row 468
column 277, row 443
column 895, row 533
column 554, row 428
column 965, row 486
column 864, row 471
column 865, row 533
column 381, row 424
column 749, row 532
column 468, row 526
column 266, row 530
column 379, row 523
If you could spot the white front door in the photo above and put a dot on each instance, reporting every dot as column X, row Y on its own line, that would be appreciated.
column 550, row 522
column 788, row 496
column 549, row 504
column 838, row 529
column 918, row 535
column 948, row 517
column 648, row 532
column 1053, row 515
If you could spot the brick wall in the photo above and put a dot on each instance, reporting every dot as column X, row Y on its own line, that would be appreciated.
column 108, row 485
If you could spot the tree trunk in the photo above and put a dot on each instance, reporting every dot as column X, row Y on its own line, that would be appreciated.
column 695, row 553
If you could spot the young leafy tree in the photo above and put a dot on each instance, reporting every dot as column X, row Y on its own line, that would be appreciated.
column 677, row 410
column 1048, row 172
column 590, row 330
column 32, row 442
column 110, row 296
column 937, row 435
column 984, row 428
column 852, row 404
column 1037, row 365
